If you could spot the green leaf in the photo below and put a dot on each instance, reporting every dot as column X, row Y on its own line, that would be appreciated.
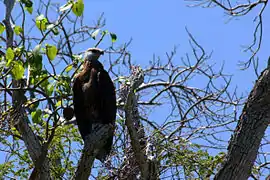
column 36, row 63
column 18, row 30
column 18, row 50
column 51, row 51
column 113, row 37
column 36, row 116
column 9, row 62
column 9, row 54
column 95, row 33
column 65, row 7
column 27, row 3
column 41, row 22
column 29, row 9
column 2, row 28
column 55, row 31
column 58, row 103
column 41, row 76
column 35, row 60
column 78, row 8
column 50, row 89
column 68, row 68
column 105, row 32
column 17, row 70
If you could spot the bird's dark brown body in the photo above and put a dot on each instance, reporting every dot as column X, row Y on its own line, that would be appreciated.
column 94, row 101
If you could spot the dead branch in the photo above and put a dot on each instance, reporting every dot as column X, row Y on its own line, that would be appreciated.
column 135, row 128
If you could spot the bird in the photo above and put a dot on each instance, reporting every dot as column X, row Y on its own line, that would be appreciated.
column 94, row 99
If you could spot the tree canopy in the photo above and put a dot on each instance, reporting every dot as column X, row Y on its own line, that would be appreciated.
column 39, row 57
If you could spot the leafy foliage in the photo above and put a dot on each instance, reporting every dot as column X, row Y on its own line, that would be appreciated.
column 78, row 8
column 51, row 51
column 2, row 28
column 18, row 30
column 41, row 22
column 17, row 70
column 9, row 55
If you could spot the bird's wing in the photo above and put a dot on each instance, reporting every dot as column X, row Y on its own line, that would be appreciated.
column 107, row 109
column 107, row 95
column 77, row 94
column 81, row 113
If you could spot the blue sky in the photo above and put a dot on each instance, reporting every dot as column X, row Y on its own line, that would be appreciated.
column 157, row 26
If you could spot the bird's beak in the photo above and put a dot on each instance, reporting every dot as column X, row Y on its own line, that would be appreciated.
column 102, row 53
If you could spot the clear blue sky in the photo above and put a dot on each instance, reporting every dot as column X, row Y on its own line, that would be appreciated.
column 157, row 26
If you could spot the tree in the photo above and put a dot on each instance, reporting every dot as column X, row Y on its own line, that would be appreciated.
column 37, row 66
column 253, row 122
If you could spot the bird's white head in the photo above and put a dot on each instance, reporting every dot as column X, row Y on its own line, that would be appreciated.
column 92, row 54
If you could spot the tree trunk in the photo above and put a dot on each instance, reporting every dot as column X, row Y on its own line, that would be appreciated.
column 245, row 142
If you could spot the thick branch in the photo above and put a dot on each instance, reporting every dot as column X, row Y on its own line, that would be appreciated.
column 96, row 140
column 9, row 6
column 135, row 141
column 136, row 132
column 245, row 143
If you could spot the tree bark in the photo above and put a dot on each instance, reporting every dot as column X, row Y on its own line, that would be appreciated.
column 138, row 140
column 93, row 143
column 245, row 142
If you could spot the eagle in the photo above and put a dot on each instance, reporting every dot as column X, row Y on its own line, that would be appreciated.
column 94, row 98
